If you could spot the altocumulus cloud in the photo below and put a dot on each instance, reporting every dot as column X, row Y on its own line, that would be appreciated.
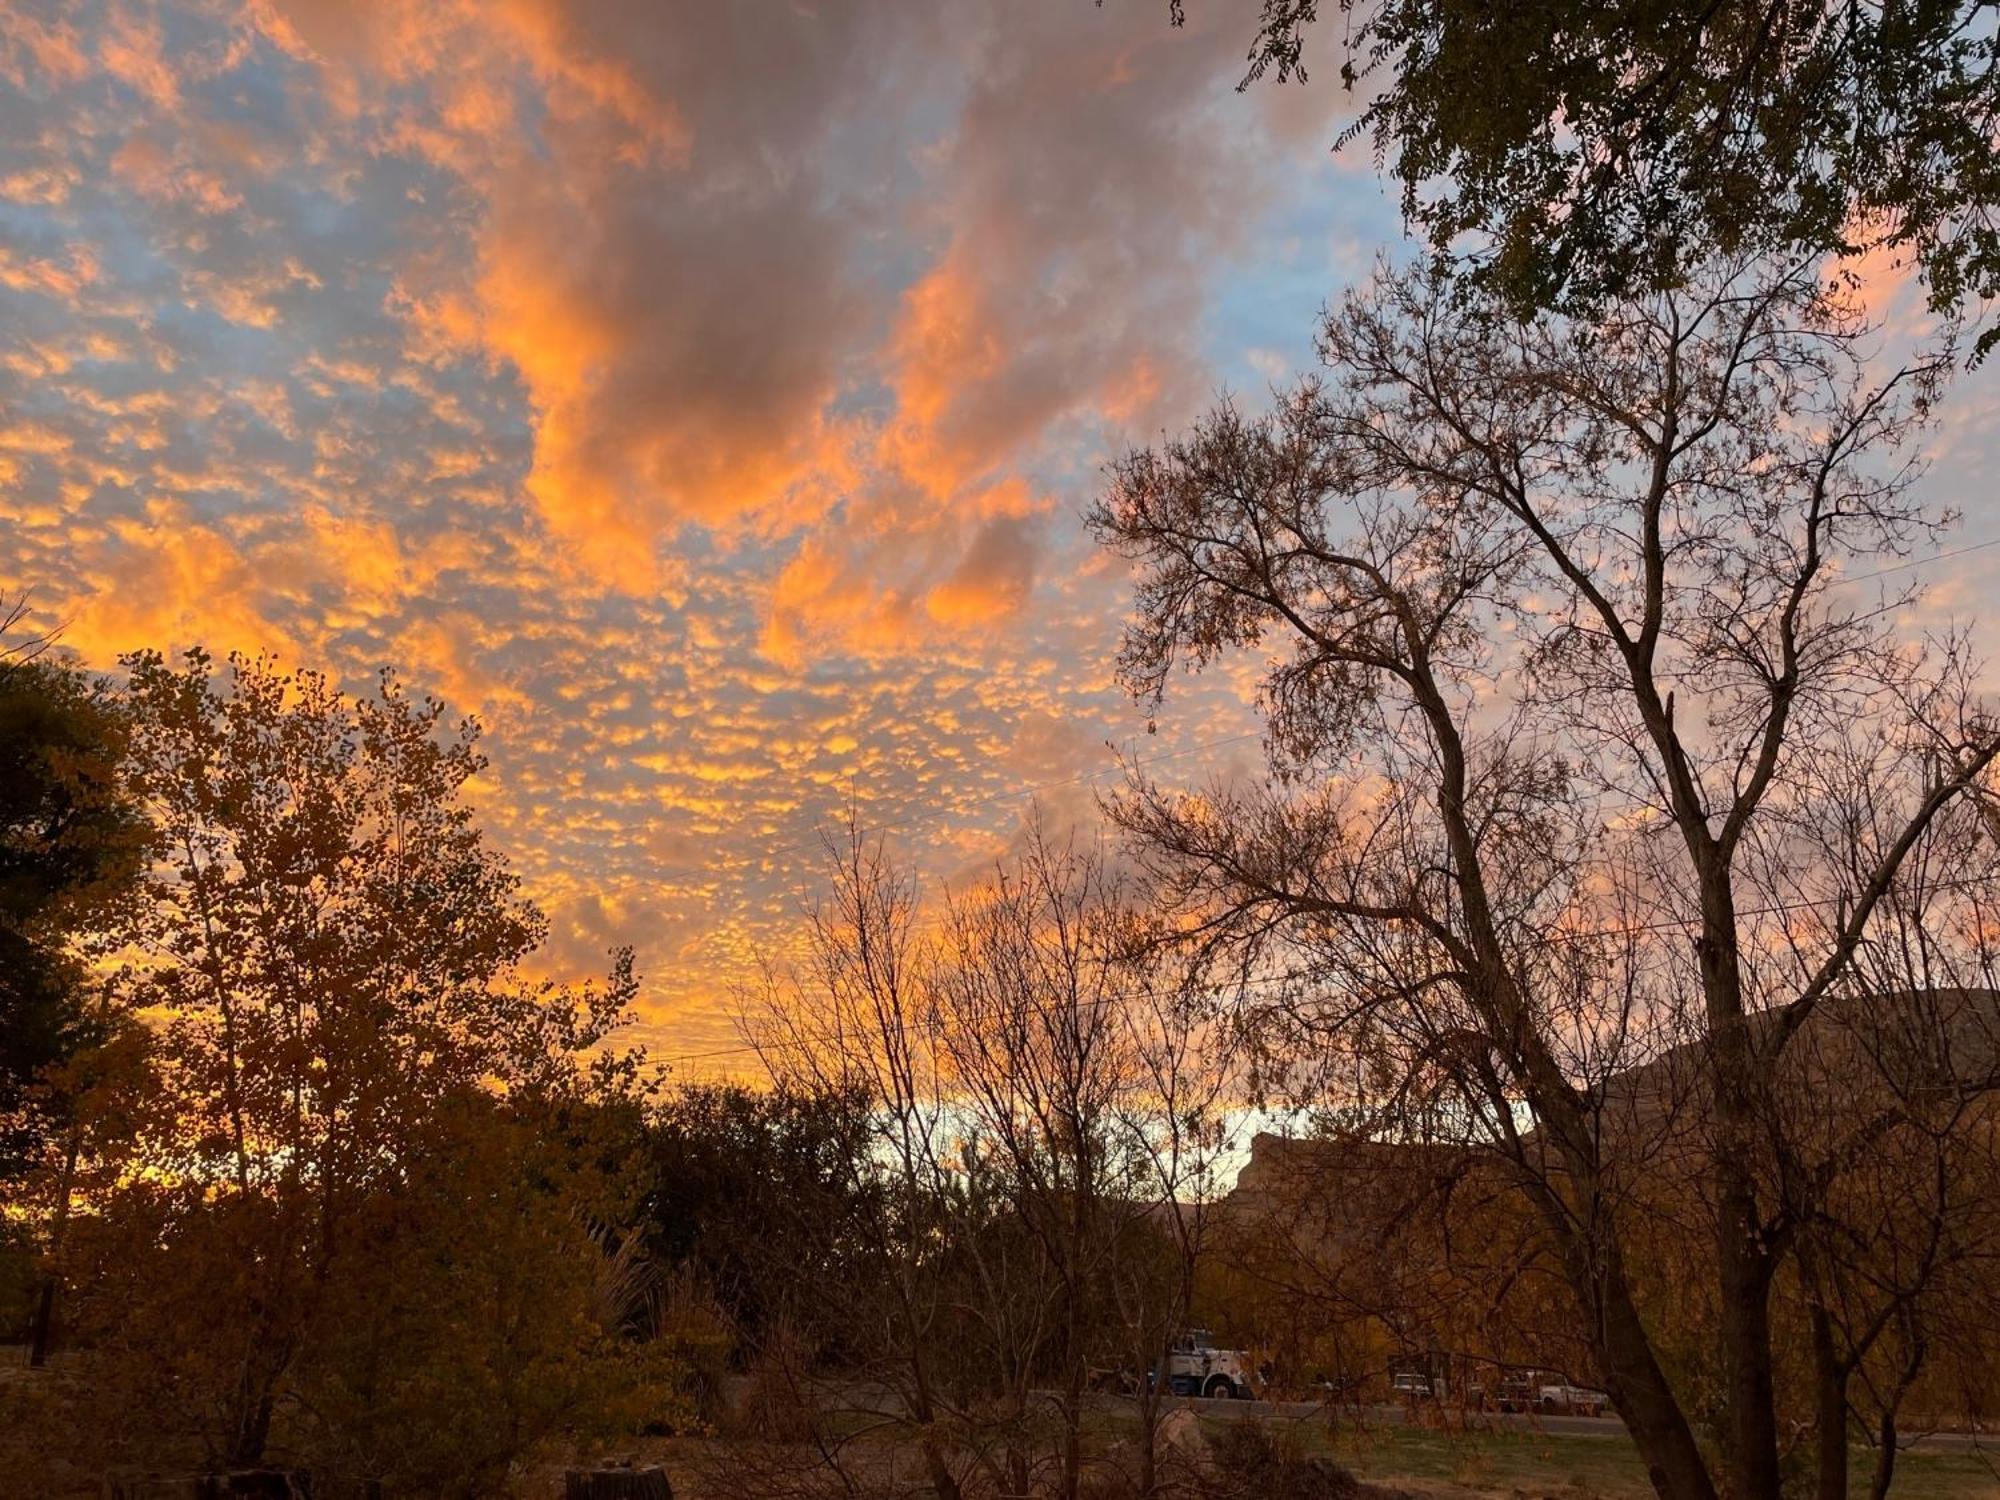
column 702, row 394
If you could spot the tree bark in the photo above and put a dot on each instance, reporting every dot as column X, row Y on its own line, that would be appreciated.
column 45, row 1300
column 1750, row 1439
column 1745, row 1285
column 1830, row 1402
column 1885, row 1457
column 1635, row 1382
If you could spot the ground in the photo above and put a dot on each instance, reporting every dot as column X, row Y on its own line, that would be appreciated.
column 1431, row 1464
column 1463, row 1465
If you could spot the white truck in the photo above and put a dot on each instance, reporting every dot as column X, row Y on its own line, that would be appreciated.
column 1550, row 1394
column 1196, row 1367
column 1571, row 1401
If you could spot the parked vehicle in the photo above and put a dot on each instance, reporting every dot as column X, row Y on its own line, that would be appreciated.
column 1570, row 1401
column 1411, row 1385
column 1196, row 1367
column 1342, row 1389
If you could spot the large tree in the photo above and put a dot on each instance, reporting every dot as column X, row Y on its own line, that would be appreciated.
column 1568, row 676
column 70, row 841
column 339, row 966
column 1576, row 151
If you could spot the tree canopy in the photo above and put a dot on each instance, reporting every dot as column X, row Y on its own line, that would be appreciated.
column 70, row 841
column 1566, row 152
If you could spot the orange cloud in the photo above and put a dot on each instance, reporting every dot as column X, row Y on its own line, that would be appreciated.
column 169, row 583
column 702, row 392
column 991, row 580
column 131, row 50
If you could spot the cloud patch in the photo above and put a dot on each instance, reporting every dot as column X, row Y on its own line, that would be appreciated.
column 703, row 395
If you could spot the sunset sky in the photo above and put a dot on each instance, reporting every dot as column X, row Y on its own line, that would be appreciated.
column 702, row 394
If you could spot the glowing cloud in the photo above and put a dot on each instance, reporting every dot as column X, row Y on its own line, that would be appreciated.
column 704, row 395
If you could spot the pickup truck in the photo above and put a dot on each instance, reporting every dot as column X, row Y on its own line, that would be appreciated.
column 1570, row 1401
column 1538, row 1391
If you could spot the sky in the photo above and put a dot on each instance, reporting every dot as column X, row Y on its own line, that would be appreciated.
column 703, row 395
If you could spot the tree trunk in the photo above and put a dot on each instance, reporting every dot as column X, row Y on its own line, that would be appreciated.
column 1073, row 1380
column 936, row 1462
column 1637, row 1385
column 45, row 1300
column 44, row 1319
column 1830, row 1401
column 1885, row 1457
column 1751, row 1436
column 253, row 1433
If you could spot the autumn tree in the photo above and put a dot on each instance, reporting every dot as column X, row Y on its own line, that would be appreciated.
column 336, row 961
column 1558, row 646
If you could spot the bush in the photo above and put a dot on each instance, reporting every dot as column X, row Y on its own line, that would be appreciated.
column 1251, row 1463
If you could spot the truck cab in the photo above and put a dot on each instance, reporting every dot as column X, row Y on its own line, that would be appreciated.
column 1196, row 1367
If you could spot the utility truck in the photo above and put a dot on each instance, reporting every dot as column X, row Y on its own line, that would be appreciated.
column 1196, row 1367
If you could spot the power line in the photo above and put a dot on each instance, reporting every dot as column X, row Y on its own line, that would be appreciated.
column 1917, row 562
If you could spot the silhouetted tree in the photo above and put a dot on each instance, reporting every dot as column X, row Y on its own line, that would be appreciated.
column 1033, row 996
column 1577, row 152
column 852, row 1021
column 336, row 957
column 755, row 1191
column 1038, row 1111
column 1557, row 682
column 71, row 840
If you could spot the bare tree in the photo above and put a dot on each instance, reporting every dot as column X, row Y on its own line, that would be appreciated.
column 1555, row 645
column 1029, row 1005
column 1044, row 1123
column 852, row 1021
column 1181, row 1121
column 1079, row 1073
column 1884, row 1148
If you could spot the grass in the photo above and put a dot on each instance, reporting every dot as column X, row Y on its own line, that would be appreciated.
column 1583, row 1468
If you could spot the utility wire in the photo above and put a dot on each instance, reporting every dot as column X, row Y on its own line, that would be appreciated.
column 1917, row 562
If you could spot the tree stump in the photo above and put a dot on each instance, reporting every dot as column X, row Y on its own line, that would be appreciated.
column 617, row 1484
